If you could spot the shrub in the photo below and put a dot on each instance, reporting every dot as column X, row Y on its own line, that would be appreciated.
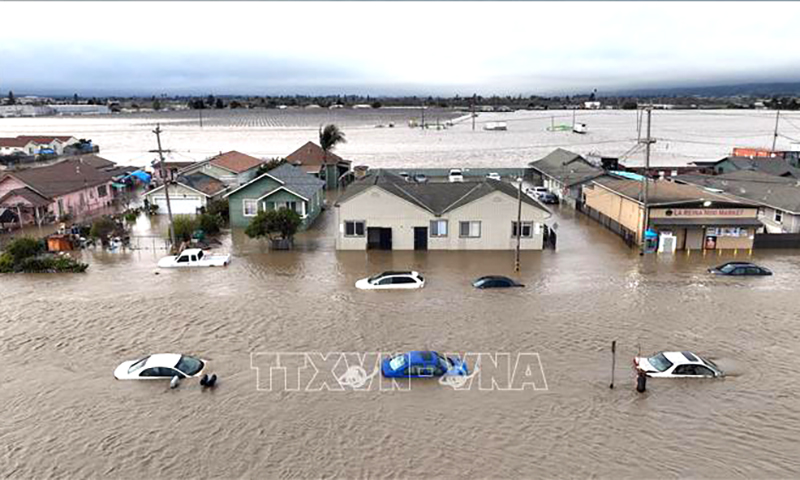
column 220, row 208
column 184, row 226
column 209, row 223
column 102, row 228
column 275, row 224
column 23, row 248
column 6, row 263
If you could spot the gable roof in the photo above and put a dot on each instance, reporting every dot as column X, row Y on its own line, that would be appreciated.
column 437, row 198
column 95, row 161
column 44, row 138
column 310, row 157
column 776, row 192
column 31, row 196
column 292, row 178
column 236, row 162
column 202, row 183
column 61, row 178
column 661, row 192
column 13, row 142
column 773, row 166
column 566, row 167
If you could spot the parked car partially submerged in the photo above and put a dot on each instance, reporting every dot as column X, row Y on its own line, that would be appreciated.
column 677, row 365
column 739, row 269
column 495, row 281
column 160, row 366
column 455, row 175
column 493, row 176
column 548, row 198
column 420, row 178
column 194, row 257
column 423, row 364
column 392, row 280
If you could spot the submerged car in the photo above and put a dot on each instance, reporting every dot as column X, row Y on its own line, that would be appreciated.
column 194, row 257
column 160, row 366
column 392, row 280
column 493, row 176
column 455, row 175
column 420, row 178
column 548, row 198
column 495, row 281
column 677, row 365
column 739, row 269
column 423, row 364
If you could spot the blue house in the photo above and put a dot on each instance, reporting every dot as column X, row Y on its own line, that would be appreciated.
column 285, row 186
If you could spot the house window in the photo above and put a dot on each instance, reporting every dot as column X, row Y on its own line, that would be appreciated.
column 469, row 229
column 250, row 207
column 527, row 230
column 438, row 228
column 288, row 205
column 102, row 191
column 354, row 229
column 778, row 216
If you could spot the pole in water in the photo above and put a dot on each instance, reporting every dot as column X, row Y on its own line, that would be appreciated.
column 613, row 361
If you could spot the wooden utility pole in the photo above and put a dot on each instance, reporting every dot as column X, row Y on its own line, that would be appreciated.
column 613, row 361
column 775, row 136
column 200, row 111
column 646, row 179
column 519, row 223
column 423, row 116
column 157, row 131
column 472, row 111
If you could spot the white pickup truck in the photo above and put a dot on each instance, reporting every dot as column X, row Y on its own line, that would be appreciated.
column 194, row 257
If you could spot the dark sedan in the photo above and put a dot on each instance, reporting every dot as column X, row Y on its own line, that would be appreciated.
column 495, row 281
column 739, row 269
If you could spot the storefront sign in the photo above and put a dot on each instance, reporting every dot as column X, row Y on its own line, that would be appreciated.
column 705, row 212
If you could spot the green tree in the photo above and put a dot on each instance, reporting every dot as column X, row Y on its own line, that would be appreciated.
column 102, row 228
column 23, row 248
column 11, row 99
column 281, row 224
column 184, row 226
column 218, row 104
column 269, row 165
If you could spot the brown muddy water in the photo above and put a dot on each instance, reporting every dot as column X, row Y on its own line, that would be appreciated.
column 64, row 415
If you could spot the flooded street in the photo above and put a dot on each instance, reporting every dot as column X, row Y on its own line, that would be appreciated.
column 65, row 415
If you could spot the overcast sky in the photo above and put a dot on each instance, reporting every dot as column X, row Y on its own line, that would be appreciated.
column 421, row 48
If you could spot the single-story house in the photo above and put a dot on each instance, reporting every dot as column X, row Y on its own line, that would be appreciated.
column 233, row 168
column 187, row 194
column 71, row 187
column 285, row 186
column 11, row 146
column 564, row 173
column 684, row 217
column 779, row 197
column 384, row 211
column 52, row 142
column 313, row 160
column 171, row 169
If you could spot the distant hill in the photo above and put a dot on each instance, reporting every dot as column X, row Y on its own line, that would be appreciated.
column 744, row 89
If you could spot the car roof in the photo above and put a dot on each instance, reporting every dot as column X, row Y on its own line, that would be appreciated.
column 683, row 358
column 495, row 277
column 742, row 264
column 423, row 356
column 163, row 360
column 398, row 272
column 191, row 251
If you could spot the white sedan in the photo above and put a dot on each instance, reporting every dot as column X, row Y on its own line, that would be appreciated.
column 392, row 280
column 160, row 366
column 194, row 257
column 677, row 365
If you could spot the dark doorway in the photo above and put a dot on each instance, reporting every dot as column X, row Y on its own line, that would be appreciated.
column 379, row 238
column 420, row 238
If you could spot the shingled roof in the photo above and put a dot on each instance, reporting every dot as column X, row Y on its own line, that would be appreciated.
column 776, row 192
column 566, row 167
column 662, row 192
column 62, row 178
column 202, row 183
column 437, row 198
column 310, row 157
column 236, row 162
column 29, row 195
column 772, row 166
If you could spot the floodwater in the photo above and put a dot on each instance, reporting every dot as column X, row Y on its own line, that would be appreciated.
column 64, row 415
column 682, row 136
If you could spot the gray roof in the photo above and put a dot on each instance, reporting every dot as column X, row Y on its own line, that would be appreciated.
column 202, row 183
column 776, row 192
column 566, row 167
column 773, row 166
column 437, row 198
column 296, row 180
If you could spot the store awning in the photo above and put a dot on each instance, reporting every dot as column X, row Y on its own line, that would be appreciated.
column 705, row 222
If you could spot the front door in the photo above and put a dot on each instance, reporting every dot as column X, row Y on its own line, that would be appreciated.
column 420, row 238
column 379, row 238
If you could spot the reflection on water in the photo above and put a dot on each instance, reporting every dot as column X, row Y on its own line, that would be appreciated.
column 65, row 415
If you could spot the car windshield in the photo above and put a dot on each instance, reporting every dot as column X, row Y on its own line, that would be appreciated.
column 189, row 365
column 728, row 268
column 659, row 362
column 374, row 279
column 443, row 361
column 137, row 365
column 710, row 364
column 397, row 362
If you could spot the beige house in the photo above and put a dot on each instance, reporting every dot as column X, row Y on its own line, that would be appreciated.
column 384, row 211
column 683, row 217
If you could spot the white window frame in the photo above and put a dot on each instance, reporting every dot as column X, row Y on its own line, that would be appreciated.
column 778, row 217
column 438, row 233
column 471, row 233
column 522, row 234
column 355, row 234
column 244, row 207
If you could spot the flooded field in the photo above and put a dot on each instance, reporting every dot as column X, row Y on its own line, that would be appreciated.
column 682, row 136
column 62, row 336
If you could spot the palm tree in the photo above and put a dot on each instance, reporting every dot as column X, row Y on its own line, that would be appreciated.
column 329, row 137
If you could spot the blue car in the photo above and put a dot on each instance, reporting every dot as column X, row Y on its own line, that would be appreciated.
column 422, row 365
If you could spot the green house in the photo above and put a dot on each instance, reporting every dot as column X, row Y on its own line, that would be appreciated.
column 284, row 186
